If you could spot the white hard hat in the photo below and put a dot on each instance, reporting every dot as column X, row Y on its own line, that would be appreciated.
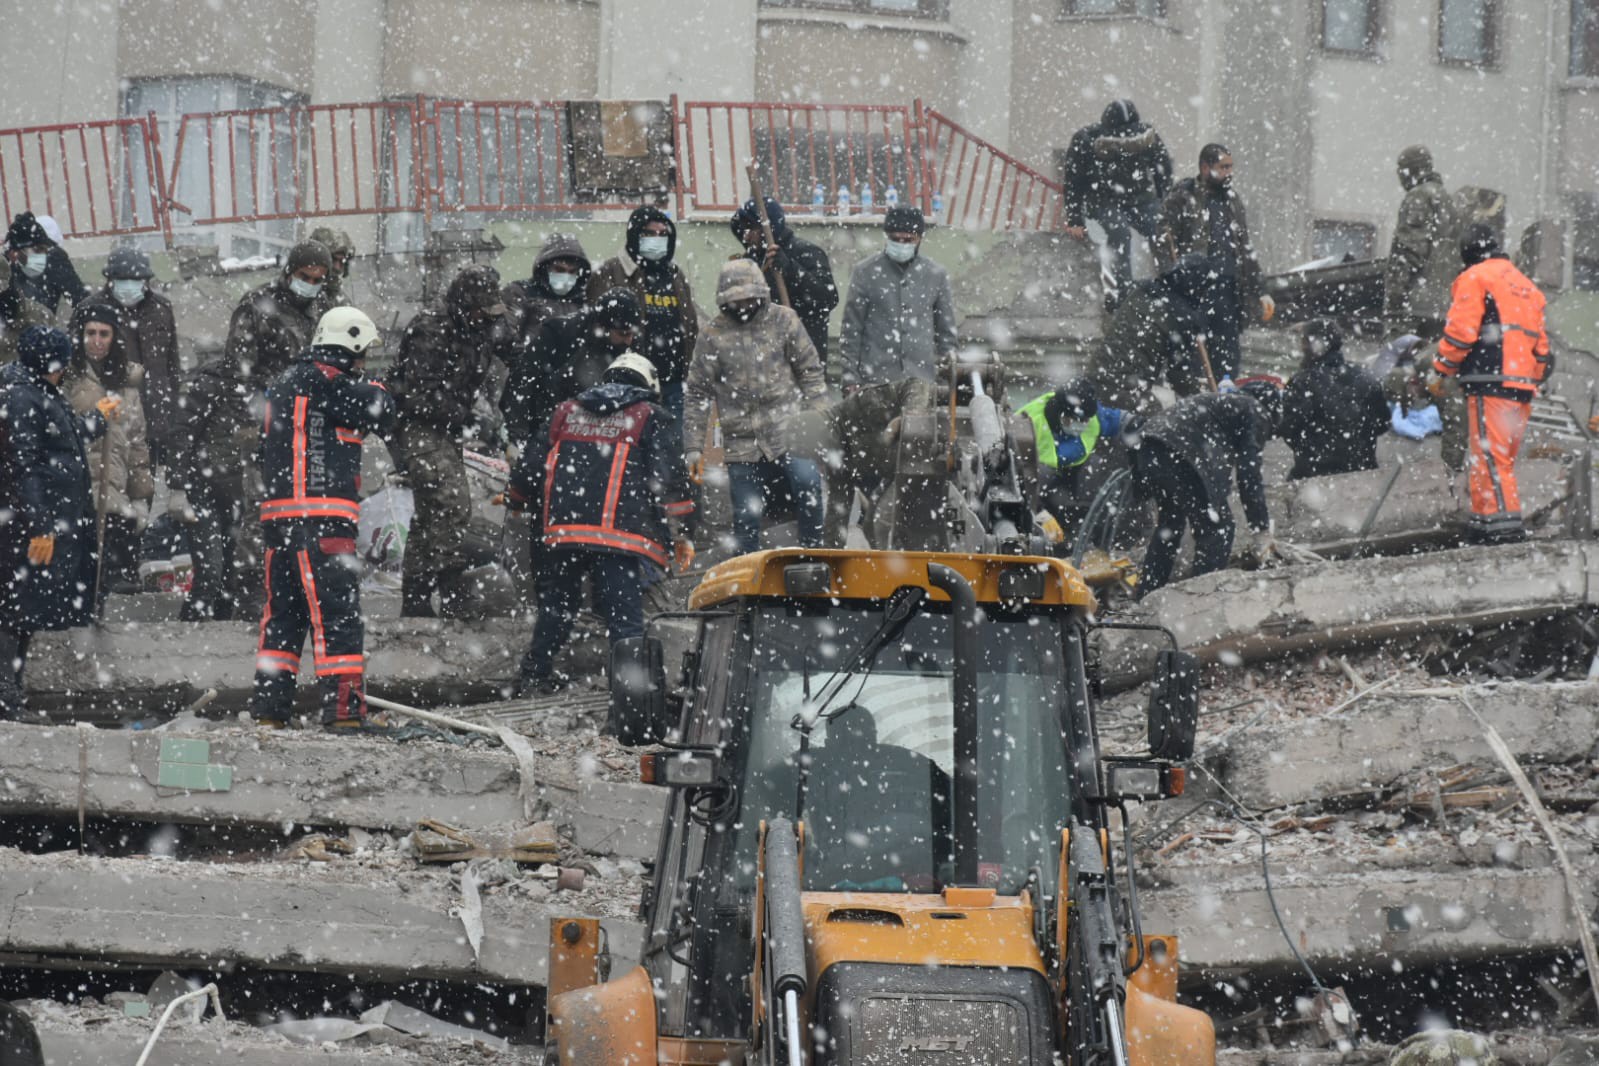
column 51, row 227
column 345, row 327
column 635, row 363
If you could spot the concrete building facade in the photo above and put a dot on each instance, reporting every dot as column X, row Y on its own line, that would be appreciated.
column 1316, row 97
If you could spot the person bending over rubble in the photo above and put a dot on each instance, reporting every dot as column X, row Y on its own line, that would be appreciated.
column 317, row 414
column 606, row 486
column 1185, row 464
column 1333, row 412
column 1069, row 423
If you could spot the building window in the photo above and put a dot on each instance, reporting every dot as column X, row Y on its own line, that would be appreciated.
column 1585, row 38
column 261, row 178
column 1342, row 241
column 927, row 9
column 1150, row 9
column 1350, row 27
column 1467, row 32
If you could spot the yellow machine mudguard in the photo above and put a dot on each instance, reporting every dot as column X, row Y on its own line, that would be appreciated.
column 606, row 1025
column 1162, row 1033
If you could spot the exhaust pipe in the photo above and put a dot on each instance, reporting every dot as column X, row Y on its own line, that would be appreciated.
column 964, row 629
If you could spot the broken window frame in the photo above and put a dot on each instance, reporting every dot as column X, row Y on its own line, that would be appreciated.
column 1371, row 39
column 1487, row 38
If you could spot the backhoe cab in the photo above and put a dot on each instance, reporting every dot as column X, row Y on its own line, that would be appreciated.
column 887, row 838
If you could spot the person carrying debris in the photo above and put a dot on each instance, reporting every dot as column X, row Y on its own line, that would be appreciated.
column 899, row 319
column 1205, row 215
column 341, row 249
column 1185, row 464
column 443, row 361
column 1495, row 346
column 1333, row 412
column 119, row 467
column 605, row 488
column 1153, row 339
column 804, row 268
column 1421, row 263
column 672, row 324
column 1117, row 173
column 756, row 363
column 47, row 534
column 317, row 414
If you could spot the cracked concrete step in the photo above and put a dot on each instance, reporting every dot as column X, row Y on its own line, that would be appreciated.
column 380, row 921
column 1384, row 740
column 256, row 777
column 196, row 1048
column 1223, row 918
column 1267, row 614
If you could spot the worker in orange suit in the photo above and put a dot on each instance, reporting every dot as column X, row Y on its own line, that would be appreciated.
column 1494, row 344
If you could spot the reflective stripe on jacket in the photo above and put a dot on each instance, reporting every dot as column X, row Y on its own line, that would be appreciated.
column 1494, row 340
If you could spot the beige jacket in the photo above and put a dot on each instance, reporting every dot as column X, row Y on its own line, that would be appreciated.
column 123, row 454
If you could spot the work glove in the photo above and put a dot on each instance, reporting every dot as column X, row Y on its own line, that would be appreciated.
column 683, row 554
column 1048, row 527
column 1268, row 308
column 696, row 467
column 141, row 514
column 1262, row 551
column 1435, row 384
column 41, row 550
column 1593, row 425
column 108, row 406
column 178, row 507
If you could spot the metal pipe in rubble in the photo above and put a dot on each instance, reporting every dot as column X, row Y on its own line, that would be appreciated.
column 785, row 927
column 963, row 625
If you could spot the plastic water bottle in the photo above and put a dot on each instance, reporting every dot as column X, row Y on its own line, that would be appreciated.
column 1226, row 385
column 938, row 205
column 819, row 199
column 843, row 200
column 866, row 198
column 890, row 197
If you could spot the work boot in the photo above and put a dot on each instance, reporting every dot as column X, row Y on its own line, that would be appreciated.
column 548, row 685
column 416, row 597
column 371, row 725
column 12, row 704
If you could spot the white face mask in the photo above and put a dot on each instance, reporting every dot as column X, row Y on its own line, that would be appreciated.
column 900, row 251
column 561, row 284
column 34, row 263
column 305, row 290
column 653, row 248
column 128, row 291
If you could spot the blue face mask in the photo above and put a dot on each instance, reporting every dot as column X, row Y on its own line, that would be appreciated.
column 128, row 291
column 900, row 251
column 305, row 290
column 561, row 283
column 653, row 248
column 34, row 263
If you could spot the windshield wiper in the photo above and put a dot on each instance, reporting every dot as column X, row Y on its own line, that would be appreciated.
column 901, row 608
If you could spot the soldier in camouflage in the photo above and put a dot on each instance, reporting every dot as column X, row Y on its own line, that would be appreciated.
column 1425, row 255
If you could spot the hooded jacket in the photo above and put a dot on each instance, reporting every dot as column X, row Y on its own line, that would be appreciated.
column 529, row 301
column 1152, row 340
column 442, row 365
column 125, row 445
column 672, row 325
column 1425, row 256
column 899, row 320
column 805, row 269
column 609, row 476
column 1333, row 414
column 1215, row 435
column 148, row 332
column 1115, row 165
column 44, row 491
column 758, row 373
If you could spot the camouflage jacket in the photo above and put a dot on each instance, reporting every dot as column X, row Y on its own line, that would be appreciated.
column 1425, row 258
column 758, row 373
column 270, row 326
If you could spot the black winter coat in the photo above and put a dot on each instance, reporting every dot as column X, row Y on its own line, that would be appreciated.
column 60, row 278
column 1114, row 169
column 215, row 431
column 808, row 275
column 609, row 476
column 1333, row 414
column 567, row 356
column 1216, row 435
column 44, row 490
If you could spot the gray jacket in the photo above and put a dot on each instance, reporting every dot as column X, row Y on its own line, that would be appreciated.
column 899, row 321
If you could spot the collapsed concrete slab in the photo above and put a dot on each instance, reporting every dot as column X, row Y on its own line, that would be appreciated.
column 198, row 1048
column 1223, row 918
column 1385, row 741
column 380, row 921
column 252, row 777
column 1256, row 615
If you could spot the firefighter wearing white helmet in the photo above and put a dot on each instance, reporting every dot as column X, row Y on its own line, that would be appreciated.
column 318, row 413
column 608, row 509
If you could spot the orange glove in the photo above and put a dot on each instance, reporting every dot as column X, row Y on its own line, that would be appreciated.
column 1435, row 384
column 1268, row 308
column 498, row 499
column 696, row 468
column 41, row 550
column 683, row 555
column 107, row 406
column 1593, row 425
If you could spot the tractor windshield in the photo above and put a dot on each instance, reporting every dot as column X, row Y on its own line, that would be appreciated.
column 878, row 802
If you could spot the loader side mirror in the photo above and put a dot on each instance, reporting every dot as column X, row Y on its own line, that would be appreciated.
column 1174, row 706
column 640, row 711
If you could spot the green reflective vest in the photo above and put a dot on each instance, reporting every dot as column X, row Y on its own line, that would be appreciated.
column 1044, row 437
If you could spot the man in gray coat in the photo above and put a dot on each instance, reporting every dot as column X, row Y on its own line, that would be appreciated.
column 899, row 320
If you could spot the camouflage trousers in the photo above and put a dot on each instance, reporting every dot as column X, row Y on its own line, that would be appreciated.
column 432, row 463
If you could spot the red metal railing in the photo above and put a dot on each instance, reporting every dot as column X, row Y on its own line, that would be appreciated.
column 325, row 160
column 93, row 178
column 984, row 188
column 798, row 148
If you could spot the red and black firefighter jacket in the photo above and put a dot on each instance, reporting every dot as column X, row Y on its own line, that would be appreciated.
column 610, row 476
column 317, row 414
column 1494, row 342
